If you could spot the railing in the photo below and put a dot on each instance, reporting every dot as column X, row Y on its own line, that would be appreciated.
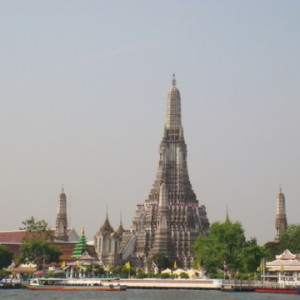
column 127, row 247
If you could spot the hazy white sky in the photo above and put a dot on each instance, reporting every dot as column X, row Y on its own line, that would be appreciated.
column 83, row 88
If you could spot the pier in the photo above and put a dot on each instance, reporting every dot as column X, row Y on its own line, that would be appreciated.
column 11, row 284
column 238, row 285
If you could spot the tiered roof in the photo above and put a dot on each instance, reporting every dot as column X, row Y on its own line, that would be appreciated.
column 286, row 261
column 80, row 246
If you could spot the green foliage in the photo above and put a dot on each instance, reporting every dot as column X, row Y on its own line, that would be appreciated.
column 39, row 252
column 6, row 257
column 37, row 230
column 94, row 270
column 165, row 275
column 219, row 275
column 141, row 275
column 55, row 275
column 290, row 239
column 271, row 249
column 183, row 275
column 250, row 256
column 38, row 244
column 226, row 248
column 98, row 270
column 122, row 271
column 4, row 273
column 160, row 260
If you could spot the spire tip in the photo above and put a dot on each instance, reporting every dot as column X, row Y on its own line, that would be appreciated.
column 174, row 80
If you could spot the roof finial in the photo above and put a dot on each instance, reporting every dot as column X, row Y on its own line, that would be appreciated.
column 227, row 214
column 280, row 189
column 106, row 211
column 174, row 80
column 62, row 189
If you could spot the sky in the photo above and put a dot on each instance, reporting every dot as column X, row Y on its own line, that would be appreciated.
column 83, row 87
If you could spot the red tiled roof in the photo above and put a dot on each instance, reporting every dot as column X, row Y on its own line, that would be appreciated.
column 13, row 240
column 67, row 249
column 12, row 236
column 16, row 236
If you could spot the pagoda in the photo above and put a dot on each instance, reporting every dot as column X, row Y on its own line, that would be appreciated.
column 170, row 219
column 281, row 219
column 80, row 247
column 61, row 224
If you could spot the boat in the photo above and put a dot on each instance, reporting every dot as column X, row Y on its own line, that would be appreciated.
column 280, row 286
column 71, row 284
column 279, row 290
column 156, row 283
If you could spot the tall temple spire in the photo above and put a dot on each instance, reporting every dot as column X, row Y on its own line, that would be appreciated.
column 173, row 118
column 61, row 225
column 281, row 219
column 171, row 218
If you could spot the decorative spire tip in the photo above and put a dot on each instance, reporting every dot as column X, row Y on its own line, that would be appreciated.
column 280, row 189
column 174, row 80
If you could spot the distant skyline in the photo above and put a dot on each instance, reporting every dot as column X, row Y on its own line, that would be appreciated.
column 83, row 89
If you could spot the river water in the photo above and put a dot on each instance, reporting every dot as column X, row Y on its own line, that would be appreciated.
column 132, row 294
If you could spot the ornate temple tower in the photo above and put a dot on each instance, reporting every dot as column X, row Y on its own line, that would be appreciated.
column 61, row 225
column 170, row 219
column 107, row 243
column 281, row 220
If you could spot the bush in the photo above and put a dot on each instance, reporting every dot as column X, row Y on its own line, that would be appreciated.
column 218, row 275
column 4, row 273
column 141, row 275
column 184, row 275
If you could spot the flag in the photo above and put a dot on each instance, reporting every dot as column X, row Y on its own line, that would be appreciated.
column 127, row 265
column 281, row 268
column 262, row 266
column 225, row 265
column 63, row 264
column 154, row 265
column 175, row 265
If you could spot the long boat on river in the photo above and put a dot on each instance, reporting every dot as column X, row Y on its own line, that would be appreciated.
column 64, row 284
column 156, row 283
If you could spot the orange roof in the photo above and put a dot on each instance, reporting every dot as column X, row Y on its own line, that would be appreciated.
column 67, row 249
column 15, row 236
column 13, row 240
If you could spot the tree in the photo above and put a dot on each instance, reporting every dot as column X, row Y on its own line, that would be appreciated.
column 226, row 248
column 37, row 230
column 38, row 246
column 6, row 257
column 250, row 256
column 40, row 252
column 271, row 250
column 161, row 261
column 290, row 239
